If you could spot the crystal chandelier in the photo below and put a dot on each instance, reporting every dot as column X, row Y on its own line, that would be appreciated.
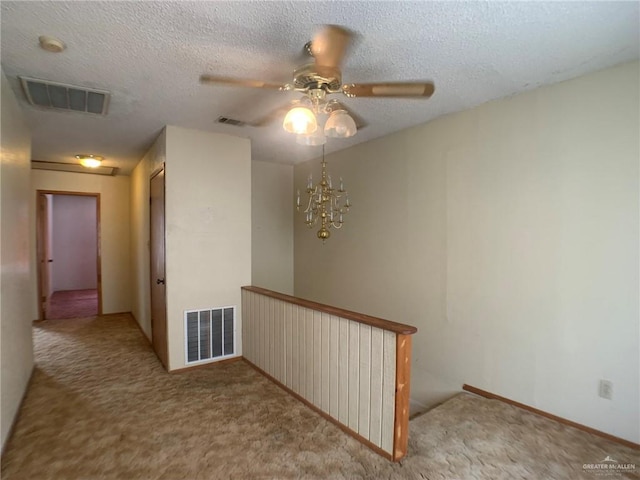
column 325, row 205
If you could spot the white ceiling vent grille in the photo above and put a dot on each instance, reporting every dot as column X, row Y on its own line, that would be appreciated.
column 210, row 334
column 59, row 96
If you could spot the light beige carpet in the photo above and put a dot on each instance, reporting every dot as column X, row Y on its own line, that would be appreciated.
column 101, row 407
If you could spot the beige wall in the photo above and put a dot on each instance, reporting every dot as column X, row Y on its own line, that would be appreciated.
column 208, row 227
column 508, row 234
column 15, row 269
column 140, row 253
column 114, row 230
column 272, row 226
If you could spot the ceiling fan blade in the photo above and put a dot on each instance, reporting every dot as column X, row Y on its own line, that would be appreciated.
column 329, row 46
column 395, row 89
column 239, row 82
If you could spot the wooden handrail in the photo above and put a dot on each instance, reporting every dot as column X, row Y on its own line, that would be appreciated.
column 399, row 328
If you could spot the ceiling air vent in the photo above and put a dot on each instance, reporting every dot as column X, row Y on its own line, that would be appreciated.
column 230, row 121
column 65, row 97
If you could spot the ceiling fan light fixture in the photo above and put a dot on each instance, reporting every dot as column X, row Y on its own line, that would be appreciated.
column 90, row 161
column 300, row 120
column 340, row 125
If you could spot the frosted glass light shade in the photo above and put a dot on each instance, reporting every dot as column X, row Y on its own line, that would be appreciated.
column 90, row 161
column 300, row 120
column 340, row 125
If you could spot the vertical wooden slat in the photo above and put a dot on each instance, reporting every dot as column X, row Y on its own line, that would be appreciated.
column 245, row 321
column 288, row 327
column 309, row 354
column 265, row 333
column 343, row 378
column 255, row 318
column 354, row 374
column 334, row 332
column 403, row 386
column 282, row 350
column 271, row 342
column 260, row 329
column 265, row 343
column 326, row 320
column 283, row 340
column 302, row 347
column 388, row 391
column 276, row 340
column 250, row 328
column 377, row 352
column 295, row 355
column 317, row 358
column 302, row 357
column 277, row 337
column 255, row 309
column 364, row 396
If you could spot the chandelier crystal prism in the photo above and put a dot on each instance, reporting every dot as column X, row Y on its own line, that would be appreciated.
column 326, row 205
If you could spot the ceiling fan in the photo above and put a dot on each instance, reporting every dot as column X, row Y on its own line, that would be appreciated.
column 317, row 80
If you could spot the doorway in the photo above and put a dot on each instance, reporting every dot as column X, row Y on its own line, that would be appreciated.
column 68, row 254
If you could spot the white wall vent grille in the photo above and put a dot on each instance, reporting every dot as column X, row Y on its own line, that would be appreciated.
column 46, row 94
column 210, row 334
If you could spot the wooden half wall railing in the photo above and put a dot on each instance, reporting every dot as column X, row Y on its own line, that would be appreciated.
column 351, row 368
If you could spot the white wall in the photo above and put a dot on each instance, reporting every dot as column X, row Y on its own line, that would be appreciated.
column 114, row 230
column 16, row 357
column 75, row 242
column 208, row 227
column 272, row 226
column 508, row 234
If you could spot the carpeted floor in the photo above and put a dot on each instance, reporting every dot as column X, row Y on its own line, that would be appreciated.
column 73, row 304
column 101, row 407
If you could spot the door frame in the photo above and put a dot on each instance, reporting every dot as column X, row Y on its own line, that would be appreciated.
column 40, row 231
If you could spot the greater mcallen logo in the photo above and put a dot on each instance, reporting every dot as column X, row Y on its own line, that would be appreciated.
column 608, row 466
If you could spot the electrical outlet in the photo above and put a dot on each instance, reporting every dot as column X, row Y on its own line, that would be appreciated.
column 606, row 389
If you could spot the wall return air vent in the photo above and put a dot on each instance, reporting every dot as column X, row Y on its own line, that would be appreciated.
column 210, row 334
column 45, row 94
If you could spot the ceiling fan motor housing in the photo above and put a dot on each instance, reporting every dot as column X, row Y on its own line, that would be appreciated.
column 311, row 76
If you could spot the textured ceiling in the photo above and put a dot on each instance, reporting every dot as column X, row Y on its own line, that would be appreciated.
column 149, row 55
